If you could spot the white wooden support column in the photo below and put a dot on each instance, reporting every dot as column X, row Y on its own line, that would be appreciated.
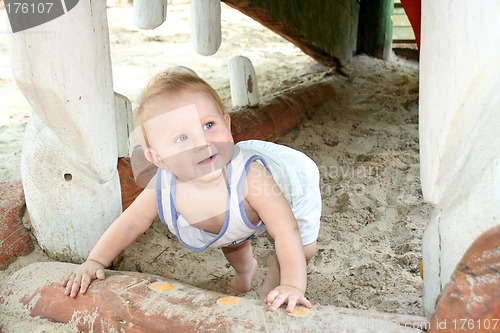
column 69, row 156
column 243, row 82
column 459, row 126
column 149, row 14
column 124, row 126
column 205, row 26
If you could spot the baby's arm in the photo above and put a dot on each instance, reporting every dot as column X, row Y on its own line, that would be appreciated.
column 266, row 198
column 132, row 223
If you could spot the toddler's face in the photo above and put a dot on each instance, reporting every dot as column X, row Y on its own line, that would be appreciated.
column 189, row 135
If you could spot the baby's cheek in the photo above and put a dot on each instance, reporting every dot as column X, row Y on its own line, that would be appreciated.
column 226, row 152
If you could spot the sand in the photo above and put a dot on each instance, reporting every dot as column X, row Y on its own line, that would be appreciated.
column 365, row 142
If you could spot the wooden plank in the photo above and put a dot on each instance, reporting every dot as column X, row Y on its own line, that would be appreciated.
column 403, row 33
column 400, row 20
column 136, row 302
column 399, row 11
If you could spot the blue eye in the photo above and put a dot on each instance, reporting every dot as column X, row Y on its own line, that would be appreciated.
column 181, row 138
column 208, row 125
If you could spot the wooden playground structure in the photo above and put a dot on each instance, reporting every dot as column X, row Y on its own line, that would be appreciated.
column 80, row 123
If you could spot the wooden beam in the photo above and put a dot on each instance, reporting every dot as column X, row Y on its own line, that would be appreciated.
column 375, row 28
column 470, row 302
column 136, row 302
column 276, row 116
column 324, row 30
column 68, row 167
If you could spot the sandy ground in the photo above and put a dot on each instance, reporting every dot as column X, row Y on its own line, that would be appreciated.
column 365, row 142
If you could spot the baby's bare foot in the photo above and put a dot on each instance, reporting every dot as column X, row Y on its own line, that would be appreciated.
column 242, row 282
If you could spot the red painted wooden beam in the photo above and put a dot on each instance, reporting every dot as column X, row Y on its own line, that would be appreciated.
column 136, row 302
column 470, row 302
column 14, row 238
column 276, row 116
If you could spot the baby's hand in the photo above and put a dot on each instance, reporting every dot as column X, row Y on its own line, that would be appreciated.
column 80, row 279
column 285, row 294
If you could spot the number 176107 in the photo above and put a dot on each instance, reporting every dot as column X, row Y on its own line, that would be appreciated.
column 475, row 324
column 28, row 8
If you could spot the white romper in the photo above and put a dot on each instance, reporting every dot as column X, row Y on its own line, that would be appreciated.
column 295, row 173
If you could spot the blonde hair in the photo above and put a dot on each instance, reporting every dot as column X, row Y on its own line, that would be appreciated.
column 173, row 80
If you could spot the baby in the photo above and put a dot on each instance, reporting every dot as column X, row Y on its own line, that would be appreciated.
column 213, row 193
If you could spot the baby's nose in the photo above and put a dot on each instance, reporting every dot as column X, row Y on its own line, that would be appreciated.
column 200, row 142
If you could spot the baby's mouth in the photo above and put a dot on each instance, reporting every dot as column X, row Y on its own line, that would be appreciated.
column 209, row 160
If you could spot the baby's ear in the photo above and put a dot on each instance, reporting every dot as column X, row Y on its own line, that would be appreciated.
column 227, row 118
column 153, row 157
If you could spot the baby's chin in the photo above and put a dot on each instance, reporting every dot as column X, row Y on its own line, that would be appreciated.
column 211, row 175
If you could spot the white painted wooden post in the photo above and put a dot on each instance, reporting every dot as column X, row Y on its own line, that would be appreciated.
column 459, row 141
column 243, row 82
column 149, row 14
column 124, row 126
column 205, row 26
column 69, row 157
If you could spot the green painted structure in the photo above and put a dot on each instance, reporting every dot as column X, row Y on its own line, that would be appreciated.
column 331, row 32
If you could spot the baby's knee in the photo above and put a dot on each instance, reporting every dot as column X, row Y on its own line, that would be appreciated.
column 310, row 250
